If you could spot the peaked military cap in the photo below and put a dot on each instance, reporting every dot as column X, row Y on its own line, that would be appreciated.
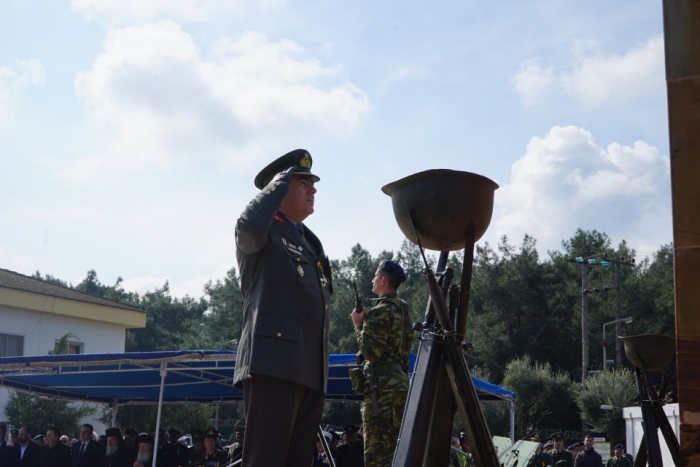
column 618, row 446
column 557, row 436
column 394, row 269
column 536, row 437
column 14, row 431
column 211, row 433
column 197, row 435
column 113, row 432
column 175, row 429
column 300, row 159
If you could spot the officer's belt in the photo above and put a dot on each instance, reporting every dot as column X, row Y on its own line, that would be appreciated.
column 385, row 368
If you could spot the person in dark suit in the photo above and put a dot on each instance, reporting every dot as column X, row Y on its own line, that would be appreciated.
column 353, row 452
column 25, row 453
column 4, row 447
column 87, row 452
column 282, row 362
column 53, row 453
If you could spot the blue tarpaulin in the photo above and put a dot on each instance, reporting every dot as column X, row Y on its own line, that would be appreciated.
column 185, row 376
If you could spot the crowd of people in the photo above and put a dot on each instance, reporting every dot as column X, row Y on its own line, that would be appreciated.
column 116, row 448
column 579, row 454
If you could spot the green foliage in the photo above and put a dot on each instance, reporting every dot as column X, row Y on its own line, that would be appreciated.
column 520, row 304
column 38, row 413
column 341, row 413
column 143, row 417
column 614, row 388
column 543, row 396
column 224, row 320
column 171, row 323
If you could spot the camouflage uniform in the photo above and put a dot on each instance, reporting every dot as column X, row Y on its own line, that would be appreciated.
column 385, row 341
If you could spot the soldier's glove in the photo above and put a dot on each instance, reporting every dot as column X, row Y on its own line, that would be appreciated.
column 285, row 175
column 282, row 177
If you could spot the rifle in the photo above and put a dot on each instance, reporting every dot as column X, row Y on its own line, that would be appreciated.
column 358, row 299
column 359, row 358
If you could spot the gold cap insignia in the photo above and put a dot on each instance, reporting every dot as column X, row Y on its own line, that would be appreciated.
column 305, row 161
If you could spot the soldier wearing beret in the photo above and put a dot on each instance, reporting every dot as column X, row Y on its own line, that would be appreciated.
column 384, row 333
column 618, row 459
column 282, row 363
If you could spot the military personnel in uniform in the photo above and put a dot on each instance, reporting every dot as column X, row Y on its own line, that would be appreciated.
column 197, row 452
column 384, row 333
column 539, row 458
column 560, row 457
column 213, row 456
column 282, row 362
column 618, row 459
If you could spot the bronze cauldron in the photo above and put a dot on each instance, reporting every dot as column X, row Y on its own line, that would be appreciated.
column 442, row 203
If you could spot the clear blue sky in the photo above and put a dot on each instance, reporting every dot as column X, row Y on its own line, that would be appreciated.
column 131, row 130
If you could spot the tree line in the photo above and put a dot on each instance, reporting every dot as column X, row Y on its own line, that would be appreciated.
column 524, row 322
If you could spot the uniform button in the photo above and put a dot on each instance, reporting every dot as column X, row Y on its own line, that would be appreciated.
column 298, row 260
column 279, row 334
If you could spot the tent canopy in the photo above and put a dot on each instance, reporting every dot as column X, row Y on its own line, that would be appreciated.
column 190, row 376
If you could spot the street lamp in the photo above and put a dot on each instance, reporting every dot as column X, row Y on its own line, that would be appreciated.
column 605, row 344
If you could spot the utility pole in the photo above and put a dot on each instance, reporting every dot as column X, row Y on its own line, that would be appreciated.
column 619, row 262
column 585, row 327
column 584, row 322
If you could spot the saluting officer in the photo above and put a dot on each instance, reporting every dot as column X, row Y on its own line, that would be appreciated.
column 282, row 362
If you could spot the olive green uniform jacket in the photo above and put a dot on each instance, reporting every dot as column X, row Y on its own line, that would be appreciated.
column 286, row 287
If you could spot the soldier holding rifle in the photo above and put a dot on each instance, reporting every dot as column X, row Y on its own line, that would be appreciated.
column 383, row 334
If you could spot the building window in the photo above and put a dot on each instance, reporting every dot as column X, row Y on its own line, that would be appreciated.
column 75, row 347
column 11, row 345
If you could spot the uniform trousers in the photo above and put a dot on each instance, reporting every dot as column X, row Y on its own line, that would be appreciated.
column 282, row 420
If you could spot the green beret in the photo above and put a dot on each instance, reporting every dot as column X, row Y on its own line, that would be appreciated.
column 300, row 159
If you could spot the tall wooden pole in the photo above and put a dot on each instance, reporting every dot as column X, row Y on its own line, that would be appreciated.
column 682, row 46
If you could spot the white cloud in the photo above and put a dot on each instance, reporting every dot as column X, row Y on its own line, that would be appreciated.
column 565, row 181
column 594, row 78
column 532, row 81
column 13, row 83
column 152, row 101
column 122, row 11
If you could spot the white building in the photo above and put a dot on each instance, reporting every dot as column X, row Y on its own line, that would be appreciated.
column 635, row 431
column 35, row 314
